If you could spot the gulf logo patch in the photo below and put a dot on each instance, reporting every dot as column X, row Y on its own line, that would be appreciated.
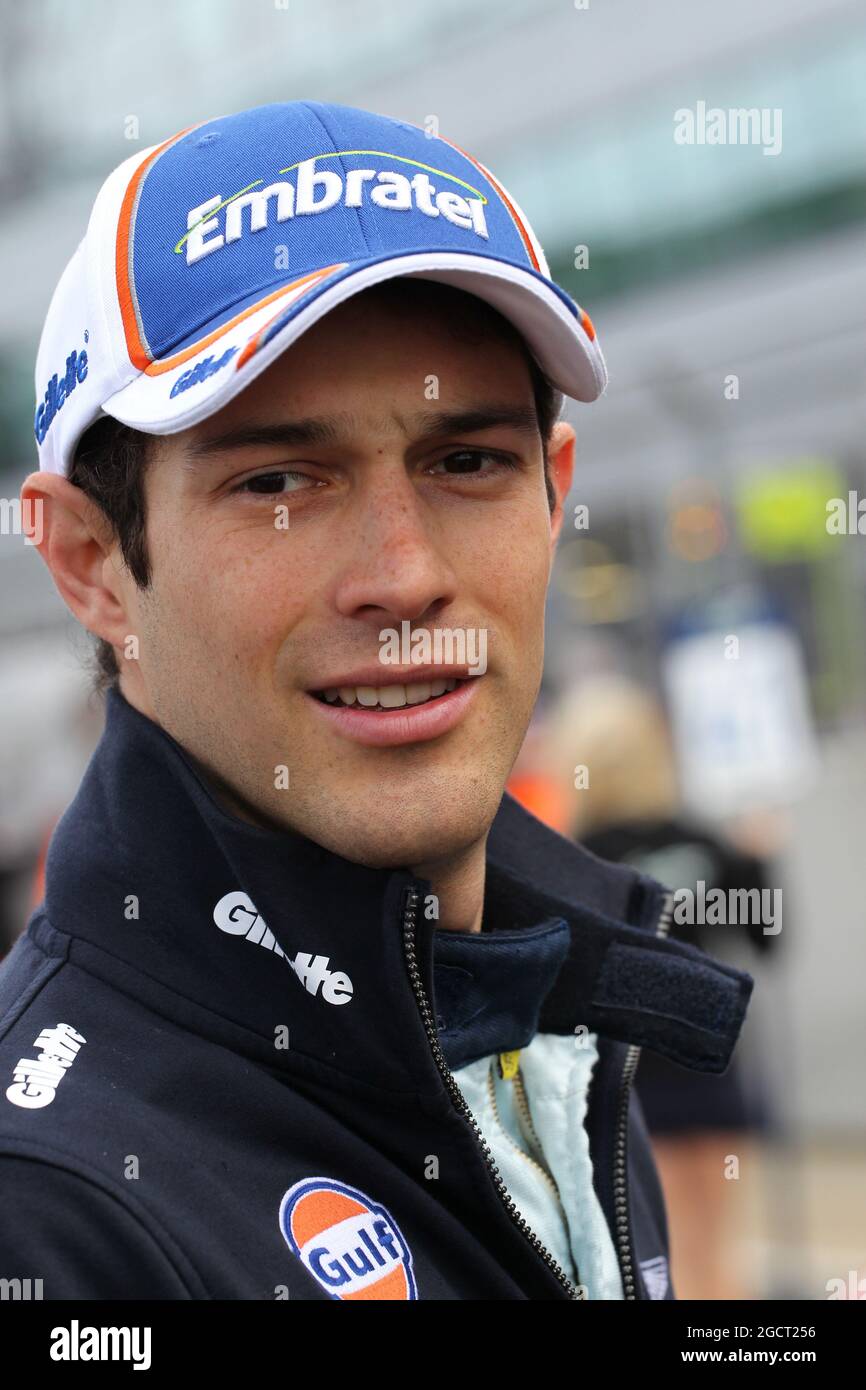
column 350, row 1244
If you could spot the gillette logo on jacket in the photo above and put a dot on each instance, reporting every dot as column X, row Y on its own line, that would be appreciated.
column 273, row 1047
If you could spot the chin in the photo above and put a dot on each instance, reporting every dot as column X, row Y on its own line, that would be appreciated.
column 429, row 834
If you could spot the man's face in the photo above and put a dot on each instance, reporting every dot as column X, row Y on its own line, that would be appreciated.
column 276, row 565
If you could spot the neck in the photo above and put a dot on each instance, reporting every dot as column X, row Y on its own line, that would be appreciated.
column 457, row 879
column 458, row 884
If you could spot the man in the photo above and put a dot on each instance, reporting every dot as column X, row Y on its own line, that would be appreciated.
column 312, row 1010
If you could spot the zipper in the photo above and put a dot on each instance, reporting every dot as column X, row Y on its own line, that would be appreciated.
column 520, row 1098
column 409, row 927
column 620, row 1157
column 522, row 1101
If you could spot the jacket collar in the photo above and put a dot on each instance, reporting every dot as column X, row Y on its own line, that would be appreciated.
column 152, row 885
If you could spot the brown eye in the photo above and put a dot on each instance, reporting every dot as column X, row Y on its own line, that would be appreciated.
column 266, row 482
column 470, row 461
column 271, row 484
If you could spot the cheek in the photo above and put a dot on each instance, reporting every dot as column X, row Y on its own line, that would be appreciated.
column 515, row 570
column 224, row 597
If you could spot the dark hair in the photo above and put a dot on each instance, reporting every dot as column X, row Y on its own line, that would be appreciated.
column 109, row 466
column 111, row 459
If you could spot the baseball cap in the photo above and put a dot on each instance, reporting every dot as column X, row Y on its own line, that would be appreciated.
column 209, row 254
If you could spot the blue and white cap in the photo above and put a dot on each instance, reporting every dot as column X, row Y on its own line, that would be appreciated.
column 208, row 255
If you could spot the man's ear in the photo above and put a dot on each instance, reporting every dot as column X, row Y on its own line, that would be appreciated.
column 75, row 540
column 560, row 453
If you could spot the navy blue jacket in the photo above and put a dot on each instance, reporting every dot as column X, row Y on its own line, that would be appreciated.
column 223, row 1064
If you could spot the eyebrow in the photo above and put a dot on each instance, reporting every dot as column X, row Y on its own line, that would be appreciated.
column 327, row 430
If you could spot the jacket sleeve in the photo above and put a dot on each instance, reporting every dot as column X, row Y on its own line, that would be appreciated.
column 81, row 1242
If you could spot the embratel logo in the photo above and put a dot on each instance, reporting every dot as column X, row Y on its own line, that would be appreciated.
column 351, row 1245
column 201, row 371
column 58, row 390
column 319, row 190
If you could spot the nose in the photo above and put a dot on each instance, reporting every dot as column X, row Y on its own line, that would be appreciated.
column 396, row 568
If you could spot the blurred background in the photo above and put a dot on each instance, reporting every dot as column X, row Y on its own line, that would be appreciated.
column 703, row 712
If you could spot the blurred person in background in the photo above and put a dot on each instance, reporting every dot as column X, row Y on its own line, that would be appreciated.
column 534, row 784
column 51, row 724
column 629, row 812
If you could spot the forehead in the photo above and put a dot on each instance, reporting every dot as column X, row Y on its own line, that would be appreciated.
column 376, row 363
column 406, row 313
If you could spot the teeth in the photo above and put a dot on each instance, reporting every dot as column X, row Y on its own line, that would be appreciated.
column 417, row 694
column 389, row 696
column 392, row 696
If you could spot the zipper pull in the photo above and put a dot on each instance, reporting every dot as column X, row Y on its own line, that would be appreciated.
column 509, row 1064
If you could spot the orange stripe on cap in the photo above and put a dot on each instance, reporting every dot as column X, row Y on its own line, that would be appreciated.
column 527, row 242
column 138, row 354
column 165, row 364
column 587, row 324
column 254, row 342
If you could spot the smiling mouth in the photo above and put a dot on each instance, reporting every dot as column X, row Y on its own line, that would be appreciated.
column 388, row 697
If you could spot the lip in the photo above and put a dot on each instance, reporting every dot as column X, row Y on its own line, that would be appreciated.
column 378, row 675
column 411, row 724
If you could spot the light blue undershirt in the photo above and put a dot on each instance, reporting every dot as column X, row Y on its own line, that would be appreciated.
column 549, row 1175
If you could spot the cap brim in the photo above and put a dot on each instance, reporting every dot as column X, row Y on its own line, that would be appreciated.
column 193, row 383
